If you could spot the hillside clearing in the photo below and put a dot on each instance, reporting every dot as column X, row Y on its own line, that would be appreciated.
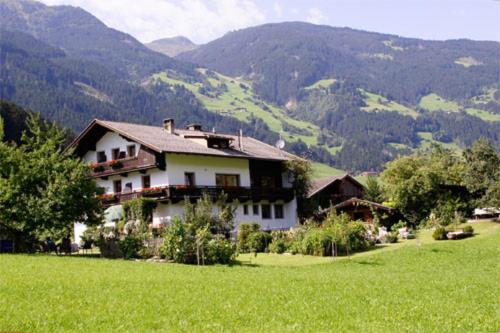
column 438, row 286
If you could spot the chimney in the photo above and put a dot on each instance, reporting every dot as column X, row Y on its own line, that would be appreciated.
column 169, row 125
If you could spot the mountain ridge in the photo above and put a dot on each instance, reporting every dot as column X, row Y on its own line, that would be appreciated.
column 172, row 46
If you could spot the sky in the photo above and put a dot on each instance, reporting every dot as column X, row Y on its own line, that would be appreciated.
column 205, row 20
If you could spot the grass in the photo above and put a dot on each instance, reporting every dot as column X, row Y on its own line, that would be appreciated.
column 325, row 83
column 432, row 287
column 378, row 102
column 468, row 62
column 322, row 170
column 240, row 103
column 427, row 140
column 434, row 102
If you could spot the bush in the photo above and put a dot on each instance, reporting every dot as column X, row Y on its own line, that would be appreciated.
column 439, row 233
column 131, row 246
column 244, row 231
column 317, row 242
column 391, row 237
column 220, row 251
column 174, row 244
column 278, row 245
column 468, row 228
column 259, row 241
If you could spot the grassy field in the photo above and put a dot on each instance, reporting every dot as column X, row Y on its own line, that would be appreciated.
column 377, row 102
column 413, row 286
column 433, row 102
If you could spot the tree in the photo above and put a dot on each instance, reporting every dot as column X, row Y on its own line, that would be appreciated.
column 425, row 181
column 373, row 190
column 44, row 190
column 482, row 173
column 300, row 172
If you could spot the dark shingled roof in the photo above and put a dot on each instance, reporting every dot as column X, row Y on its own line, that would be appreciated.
column 158, row 139
column 320, row 183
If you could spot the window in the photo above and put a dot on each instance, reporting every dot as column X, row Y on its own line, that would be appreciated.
column 266, row 211
column 227, row 180
column 267, row 182
column 128, row 188
column 115, row 153
column 278, row 212
column 189, row 179
column 131, row 151
column 245, row 209
column 255, row 209
column 117, row 186
column 101, row 157
column 146, row 181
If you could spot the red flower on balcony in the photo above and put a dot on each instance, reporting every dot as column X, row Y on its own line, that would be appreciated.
column 152, row 190
column 115, row 164
column 106, row 197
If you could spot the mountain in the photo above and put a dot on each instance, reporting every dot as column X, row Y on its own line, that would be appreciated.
column 82, row 35
column 350, row 99
column 172, row 46
column 73, row 91
column 283, row 58
column 14, row 121
column 359, row 99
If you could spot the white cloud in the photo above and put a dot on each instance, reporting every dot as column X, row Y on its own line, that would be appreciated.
column 277, row 9
column 315, row 16
column 147, row 20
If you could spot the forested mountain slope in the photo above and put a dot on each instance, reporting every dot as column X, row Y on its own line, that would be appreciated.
column 281, row 59
column 80, row 34
column 73, row 91
column 347, row 98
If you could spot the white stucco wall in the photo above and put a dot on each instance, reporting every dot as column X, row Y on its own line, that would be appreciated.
column 205, row 168
column 164, row 213
column 107, row 143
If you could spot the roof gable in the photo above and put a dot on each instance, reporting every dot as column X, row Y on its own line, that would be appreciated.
column 159, row 140
column 317, row 185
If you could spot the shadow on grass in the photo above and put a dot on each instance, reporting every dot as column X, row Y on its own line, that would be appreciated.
column 367, row 262
column 243, row 263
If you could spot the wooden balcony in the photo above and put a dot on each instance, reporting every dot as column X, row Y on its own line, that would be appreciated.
column 177, row 193
column 120, row 166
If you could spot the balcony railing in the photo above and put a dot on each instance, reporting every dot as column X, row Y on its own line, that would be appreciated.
column 119, row 166
column 176, row 193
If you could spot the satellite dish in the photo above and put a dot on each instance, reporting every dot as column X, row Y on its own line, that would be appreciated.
column 280, row 144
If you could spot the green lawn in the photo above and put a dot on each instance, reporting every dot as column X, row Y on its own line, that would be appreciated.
column 448, row 286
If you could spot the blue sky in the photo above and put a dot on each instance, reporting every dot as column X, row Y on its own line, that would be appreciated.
column 203, row 21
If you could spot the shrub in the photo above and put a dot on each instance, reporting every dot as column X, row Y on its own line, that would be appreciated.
column 468, row 228
column 131, row 246
column 357, row 236
column 391, row 237
column 258, row 241
column 174, row 244
column 278, row 245
column 244, row 231
column 220, row 251
column 317, row 242
column 439, row 233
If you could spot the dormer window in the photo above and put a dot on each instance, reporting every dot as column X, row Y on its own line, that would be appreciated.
column 219, row 143
column 131, row 151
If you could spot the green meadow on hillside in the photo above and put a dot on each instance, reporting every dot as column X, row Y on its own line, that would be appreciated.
column 413, row 286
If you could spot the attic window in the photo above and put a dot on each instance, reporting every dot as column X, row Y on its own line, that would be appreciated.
column 218, row 143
